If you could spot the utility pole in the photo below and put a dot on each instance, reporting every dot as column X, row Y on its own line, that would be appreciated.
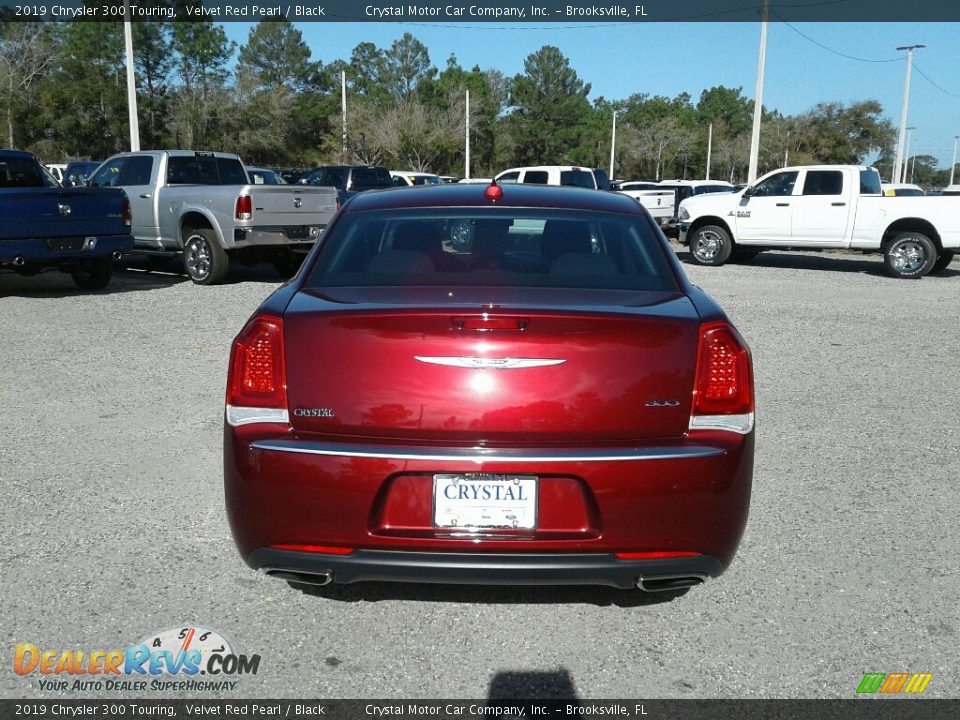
column 898, row 158
column 758, row 99
column 906, row 156
column 131, row 80
column 343, row 109
column 953, row 165
column 466, row 168
column 709, row 149
column 613, row 142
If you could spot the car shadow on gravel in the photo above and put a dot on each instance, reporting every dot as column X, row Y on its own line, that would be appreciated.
column 55, row 284
column 828, row 261
column 239, row 273
column 489, row 594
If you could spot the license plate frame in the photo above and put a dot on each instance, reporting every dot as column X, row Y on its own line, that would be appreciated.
column 481, row 508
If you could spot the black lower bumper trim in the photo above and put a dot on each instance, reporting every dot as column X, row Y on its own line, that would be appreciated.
column 483, row 568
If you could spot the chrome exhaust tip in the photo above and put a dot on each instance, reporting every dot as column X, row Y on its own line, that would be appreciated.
column 324, row 577
column 663, row 583
column 117, row 254
column 19, row 261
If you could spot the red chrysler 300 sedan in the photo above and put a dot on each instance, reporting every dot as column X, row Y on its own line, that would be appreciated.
column 469, row 384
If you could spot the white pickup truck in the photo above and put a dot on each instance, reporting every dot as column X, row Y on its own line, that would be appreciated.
column 203, row 205
column 819, row 207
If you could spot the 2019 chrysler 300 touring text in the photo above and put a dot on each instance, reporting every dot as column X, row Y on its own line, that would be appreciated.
column 490, row 385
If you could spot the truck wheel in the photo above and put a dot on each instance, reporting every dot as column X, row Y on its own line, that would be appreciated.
column 93, row 274
column 943, row 260
column 204, row 260
column 910, row 255
column 710, row 245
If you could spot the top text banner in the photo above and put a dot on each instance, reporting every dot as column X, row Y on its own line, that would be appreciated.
column 490, row 11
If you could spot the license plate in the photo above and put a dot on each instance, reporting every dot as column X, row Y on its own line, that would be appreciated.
column 484, row 500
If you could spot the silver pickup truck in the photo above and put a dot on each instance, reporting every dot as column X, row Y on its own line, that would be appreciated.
column 202, row 204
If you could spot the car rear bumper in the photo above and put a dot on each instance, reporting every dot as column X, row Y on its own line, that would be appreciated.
column 690, row 497
column 485, row 568
column 294, row 235
column 63, row 250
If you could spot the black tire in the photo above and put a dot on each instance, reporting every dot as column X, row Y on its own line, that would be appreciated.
column 93, row 274
column 287, row 264
column 909, row 255
column 943, row 260
column 205, row 262
column 710, row 245
column 742, row 255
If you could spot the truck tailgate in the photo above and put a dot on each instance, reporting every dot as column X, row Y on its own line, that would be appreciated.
column 44, row 213
column 289, row 205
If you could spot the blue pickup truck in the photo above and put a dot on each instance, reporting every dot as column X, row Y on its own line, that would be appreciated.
column 44, row 226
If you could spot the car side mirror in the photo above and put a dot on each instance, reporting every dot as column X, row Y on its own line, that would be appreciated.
column 748, row 191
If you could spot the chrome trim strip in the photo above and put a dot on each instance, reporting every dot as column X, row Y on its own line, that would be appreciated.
column 482, row 363
column 239, row 415
column 480, row 455
column 741, row 424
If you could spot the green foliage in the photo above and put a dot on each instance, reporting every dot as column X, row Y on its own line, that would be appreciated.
column 63, row 93
column 276, row 55
column 550, row 110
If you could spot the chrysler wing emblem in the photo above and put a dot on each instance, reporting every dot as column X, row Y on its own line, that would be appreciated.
column 480, row 363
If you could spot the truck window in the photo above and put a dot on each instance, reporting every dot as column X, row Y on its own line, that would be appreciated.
column 21, row 172
column 578, row 178
column 823, row 182
column 510, row 177
column 777, row 185
column 109, row 174
column 202, row 169
column 536, row 177
column 869, row 182
column 137, row 171
column 231, row 171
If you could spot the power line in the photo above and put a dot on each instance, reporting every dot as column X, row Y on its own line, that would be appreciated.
column 829, row 49
column 922, row 73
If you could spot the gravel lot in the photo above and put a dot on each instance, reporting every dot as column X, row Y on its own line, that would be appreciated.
column 111, row 500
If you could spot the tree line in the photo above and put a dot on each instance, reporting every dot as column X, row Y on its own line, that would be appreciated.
column 63, row 90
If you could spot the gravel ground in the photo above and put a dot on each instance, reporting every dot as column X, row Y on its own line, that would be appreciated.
column 111, row 499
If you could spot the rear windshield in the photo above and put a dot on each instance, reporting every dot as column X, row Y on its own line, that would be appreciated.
column 23, row 172
column 508, row 247
column 578, row 178
column 367, row 178
column 205, row 170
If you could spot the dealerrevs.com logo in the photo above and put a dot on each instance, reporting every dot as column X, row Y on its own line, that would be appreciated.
column 189, row 658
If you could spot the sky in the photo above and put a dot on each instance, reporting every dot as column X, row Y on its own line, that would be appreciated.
column 804, row 61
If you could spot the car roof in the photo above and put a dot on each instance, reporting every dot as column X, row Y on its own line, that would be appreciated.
column 17, row 153
column 548, row 167
column 695, row 183
column 514, row 195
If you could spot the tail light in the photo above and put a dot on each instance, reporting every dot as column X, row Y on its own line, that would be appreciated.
column 723, row 390
column 244, row 207
column 127, row 213
column 256, row 380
